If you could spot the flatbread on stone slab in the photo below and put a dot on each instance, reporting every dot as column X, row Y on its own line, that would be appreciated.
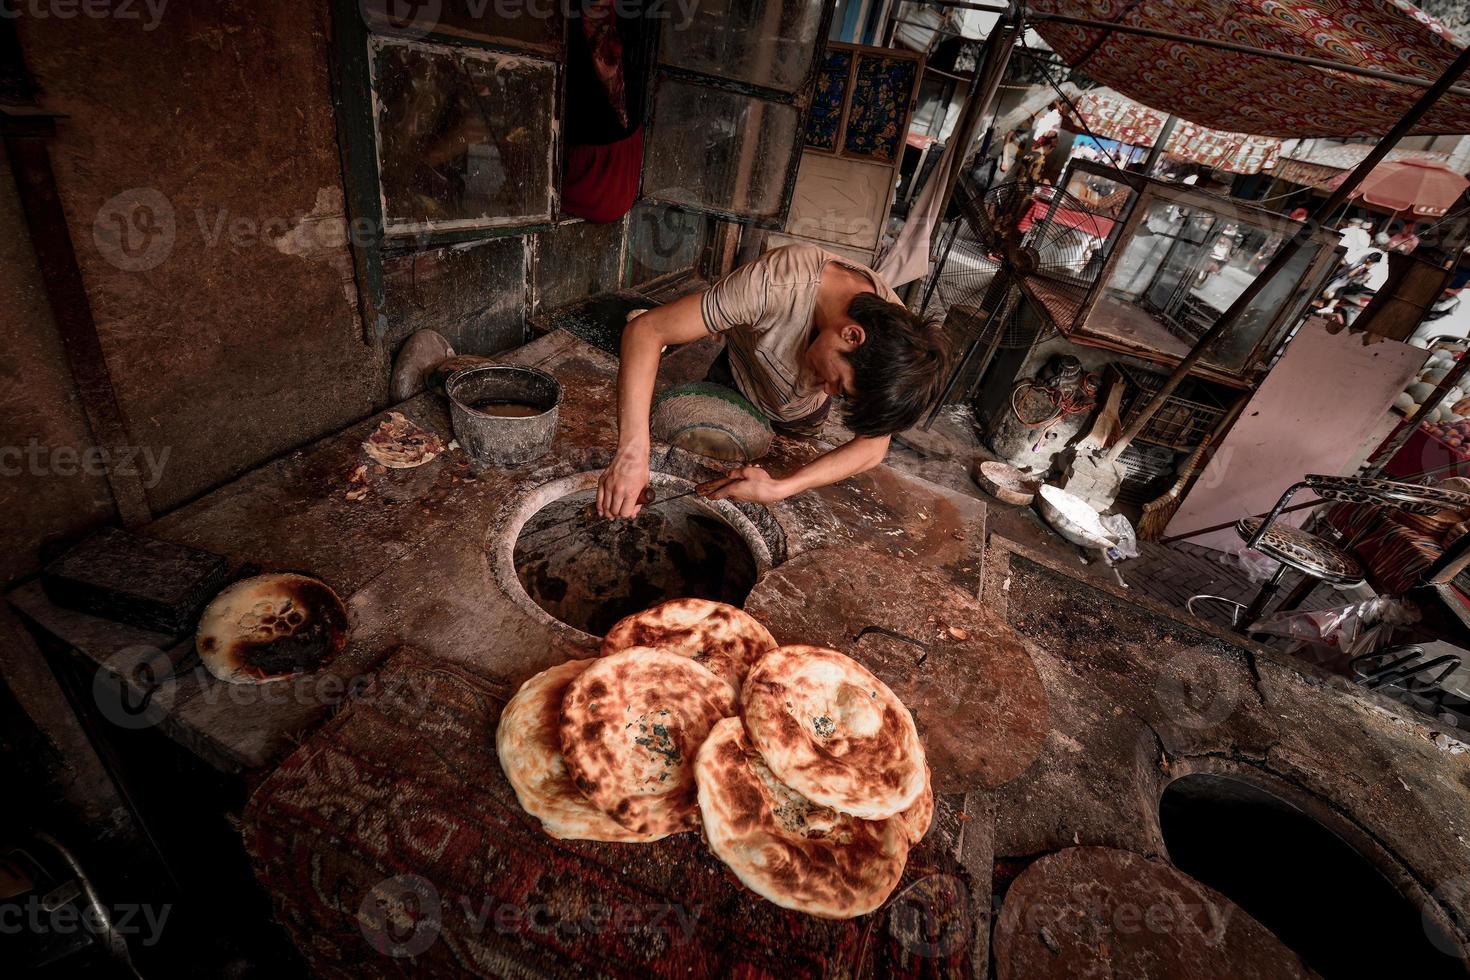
column 630, row 726
column 400, row 443
column 786, row 848
column 833, row 732
column 964, row 673
column 271, row 627
column 528, row 744
column 716, row 635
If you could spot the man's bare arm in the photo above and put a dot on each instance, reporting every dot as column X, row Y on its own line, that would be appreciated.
column 643, row 341
column 758, row 486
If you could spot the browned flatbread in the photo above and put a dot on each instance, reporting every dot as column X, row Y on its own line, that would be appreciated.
column 630, row 726
column 400, row 443
column 833, row 732
column 271, row 627
column 782, row 846
column 719, row 636
column 917, row 818
column 528, row 744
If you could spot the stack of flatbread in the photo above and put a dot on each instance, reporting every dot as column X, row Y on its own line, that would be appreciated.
column 804, row 771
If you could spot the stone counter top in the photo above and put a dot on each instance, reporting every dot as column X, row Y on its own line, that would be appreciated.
column 410, row 559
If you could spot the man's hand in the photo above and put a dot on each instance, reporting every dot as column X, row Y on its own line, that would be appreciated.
column 753, row 484
column 759, row 487
column 644, row 337
column 621, row 484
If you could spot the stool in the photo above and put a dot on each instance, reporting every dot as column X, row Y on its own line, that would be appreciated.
column 1314, row 556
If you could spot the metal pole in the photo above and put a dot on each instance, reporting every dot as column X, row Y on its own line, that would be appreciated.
column 998, row 47
column 954, row 232
column 1160, row 141
column 1291, row 246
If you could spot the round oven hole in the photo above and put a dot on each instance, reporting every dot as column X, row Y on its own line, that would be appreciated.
column 589, row 572
column 1299, row 879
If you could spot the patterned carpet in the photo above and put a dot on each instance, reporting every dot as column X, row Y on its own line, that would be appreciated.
column 391, row 845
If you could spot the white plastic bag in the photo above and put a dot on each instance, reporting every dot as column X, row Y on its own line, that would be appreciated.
column 1257, row 567
column 1342, row 633
column 1127, row 546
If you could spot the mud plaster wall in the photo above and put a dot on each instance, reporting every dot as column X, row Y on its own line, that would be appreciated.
column 240, row 338
column 37, row 402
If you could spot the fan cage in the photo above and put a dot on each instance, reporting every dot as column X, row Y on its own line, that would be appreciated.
column 1048, row 241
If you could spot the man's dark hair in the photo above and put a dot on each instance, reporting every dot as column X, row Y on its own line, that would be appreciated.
column 899, row 369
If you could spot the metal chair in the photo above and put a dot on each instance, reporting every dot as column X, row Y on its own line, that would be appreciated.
column 1400, row 672
column 1314, row 556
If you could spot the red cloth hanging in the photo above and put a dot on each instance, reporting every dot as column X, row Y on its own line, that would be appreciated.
column 601, row 182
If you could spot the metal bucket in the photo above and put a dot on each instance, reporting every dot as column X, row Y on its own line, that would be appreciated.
column 497, row 439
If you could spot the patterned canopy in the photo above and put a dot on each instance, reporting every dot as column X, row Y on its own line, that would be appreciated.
column 1114, row 117
column 1253, row 94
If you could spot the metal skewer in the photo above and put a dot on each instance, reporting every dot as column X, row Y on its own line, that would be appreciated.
column 647, row 499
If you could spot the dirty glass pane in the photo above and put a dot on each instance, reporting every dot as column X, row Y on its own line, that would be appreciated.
column 878, row 119
column 1180, row 270
column 736, row 159
column 762, row 42
column 824, row 118
column 1232, row 350
column 576, row 261
column 529, row 24
column 464, row 136
column 663, row 240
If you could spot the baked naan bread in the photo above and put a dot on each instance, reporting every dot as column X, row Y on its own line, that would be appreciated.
column 399, row 443
column 724, row 638
column 833, row 732
column 528, row 743
column 917, row 818
column 786, row 848
column 271, row 627
column 630, row 726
